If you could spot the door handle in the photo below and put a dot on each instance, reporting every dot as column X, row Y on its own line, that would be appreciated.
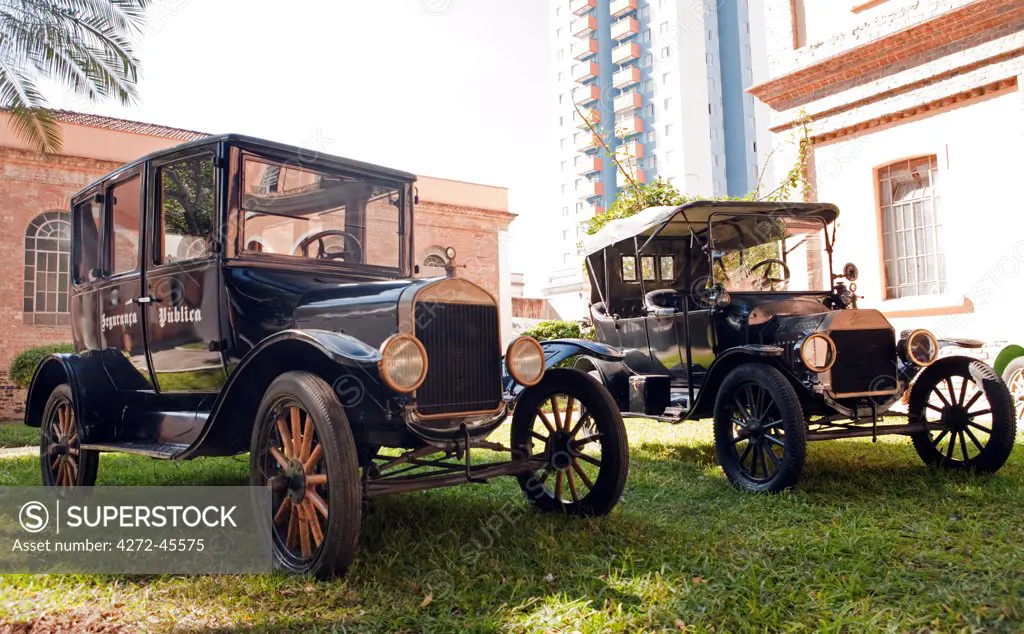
column 145, row 299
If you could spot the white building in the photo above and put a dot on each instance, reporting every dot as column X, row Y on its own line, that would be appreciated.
column 665, row 83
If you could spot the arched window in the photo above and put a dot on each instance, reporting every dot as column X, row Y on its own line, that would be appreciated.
column 47, row 263
column 434, row 258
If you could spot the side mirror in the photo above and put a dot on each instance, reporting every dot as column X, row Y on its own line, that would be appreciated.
column 851, row 272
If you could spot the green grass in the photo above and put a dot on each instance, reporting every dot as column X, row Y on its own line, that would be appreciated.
column 16, row 434
column 870, row 541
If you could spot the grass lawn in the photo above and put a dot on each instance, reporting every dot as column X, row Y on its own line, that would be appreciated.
column 871, row 541
column 16, row 434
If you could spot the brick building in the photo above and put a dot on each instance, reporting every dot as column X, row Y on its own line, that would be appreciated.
column 35, row 191
column 916, row 118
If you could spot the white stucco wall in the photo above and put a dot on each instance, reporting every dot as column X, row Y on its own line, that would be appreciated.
column 980, row 165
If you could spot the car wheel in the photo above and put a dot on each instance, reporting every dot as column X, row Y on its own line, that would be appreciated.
column 570, row 421
column 63, row 461
column 1013, row 376
column 969, row 414
column 760, row 433
column 303, row 449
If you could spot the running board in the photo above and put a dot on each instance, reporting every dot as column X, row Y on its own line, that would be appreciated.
column 662, row 418
column 162, row 451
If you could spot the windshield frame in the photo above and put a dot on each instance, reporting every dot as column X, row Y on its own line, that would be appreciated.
column 402, row 267
column 709, row 246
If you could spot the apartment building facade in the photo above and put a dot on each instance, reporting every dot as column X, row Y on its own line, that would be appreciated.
column 916, row 118
column 663, row 83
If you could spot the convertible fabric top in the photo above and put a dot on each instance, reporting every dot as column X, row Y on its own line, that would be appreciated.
column 694, row 216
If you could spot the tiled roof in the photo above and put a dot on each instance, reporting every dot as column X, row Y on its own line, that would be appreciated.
column 124, row 125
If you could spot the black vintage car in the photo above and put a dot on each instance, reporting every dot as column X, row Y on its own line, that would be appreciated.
column 235, row 295
column 731, row 310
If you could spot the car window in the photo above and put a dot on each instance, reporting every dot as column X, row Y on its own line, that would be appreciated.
column 647, row 268
column 629, row 268
column 185, row 209
column 667, row 268
column 125, row 200
column 86, row 217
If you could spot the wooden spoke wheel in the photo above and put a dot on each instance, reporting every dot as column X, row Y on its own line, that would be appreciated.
column 1013, row 375
column 64, row 463
column 969, row 414
column 304, row 452
column 570, row 422
column 759, row 429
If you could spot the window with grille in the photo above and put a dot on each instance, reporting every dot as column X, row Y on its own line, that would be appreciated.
column 911, row 229
column 47, row 269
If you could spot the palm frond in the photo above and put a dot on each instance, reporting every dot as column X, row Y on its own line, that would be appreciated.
column 29, row 117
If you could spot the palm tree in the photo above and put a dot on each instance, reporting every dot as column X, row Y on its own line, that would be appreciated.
column 84, row 45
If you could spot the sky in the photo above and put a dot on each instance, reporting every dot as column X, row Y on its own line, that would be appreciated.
column 458, row 89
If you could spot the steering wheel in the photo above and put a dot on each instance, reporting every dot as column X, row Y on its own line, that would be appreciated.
column 767, row 281
column 323, row 252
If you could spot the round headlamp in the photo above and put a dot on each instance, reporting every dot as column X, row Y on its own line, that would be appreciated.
column 818, row 352
column 525, row 361
column 922, row 348
column 403, row 363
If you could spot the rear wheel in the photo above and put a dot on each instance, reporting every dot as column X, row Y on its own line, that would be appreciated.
column 760, row 434
column 302, row 448
column 63, row 461
column 969, row 414
column 1013, row 376
column 570, row 420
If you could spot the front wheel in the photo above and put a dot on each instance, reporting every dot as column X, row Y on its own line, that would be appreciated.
column 303, row 449
column 570, row 421
column 1013, row 376
column 969, row 415
column 760, row 434
column 63, row 461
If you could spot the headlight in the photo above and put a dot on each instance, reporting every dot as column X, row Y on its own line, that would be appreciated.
column 818, row 352
column 403, row 363
column 922, row 348
column 525, row 361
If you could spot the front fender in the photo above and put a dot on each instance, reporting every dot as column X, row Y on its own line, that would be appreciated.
column 325, row 353
column 1007, row 354
column 558, row 350
column 722, row 365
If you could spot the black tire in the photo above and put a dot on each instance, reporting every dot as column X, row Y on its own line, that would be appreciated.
column 62, row 460
column 758, row 419
column 1013, row 377
column 569, row 444
column 966, row 405
column 289, row 467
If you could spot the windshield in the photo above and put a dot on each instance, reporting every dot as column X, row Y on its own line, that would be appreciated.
column 769, row 253
column 303, row 213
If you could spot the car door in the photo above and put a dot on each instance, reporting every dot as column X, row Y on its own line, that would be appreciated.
column 183, row 275
column 119, row 286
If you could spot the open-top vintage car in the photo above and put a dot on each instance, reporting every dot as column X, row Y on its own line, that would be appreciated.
column 731, row 310
column 234, row 295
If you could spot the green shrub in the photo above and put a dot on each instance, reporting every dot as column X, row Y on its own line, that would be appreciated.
column 556, row 329
column 24, row 365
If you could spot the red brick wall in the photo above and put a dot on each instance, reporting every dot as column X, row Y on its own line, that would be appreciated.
column 30, row 184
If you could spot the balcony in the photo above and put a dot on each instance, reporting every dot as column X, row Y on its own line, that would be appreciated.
column 630, row 151
column 584, row 72
column 586, row 95
column 629, row 126
column 628, row 101
column 624, row 29
column 626, row 53
column 589, row 211
column 589, row 165
column 591, row 189
column 626, row 77
column 593, row 116
column 620, row 8
column 582, row 49
column 622, row 181
column 579, row 7
column 587, row 142
column 583, row 27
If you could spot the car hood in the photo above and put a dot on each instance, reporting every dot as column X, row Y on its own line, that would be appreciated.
column 367, row 311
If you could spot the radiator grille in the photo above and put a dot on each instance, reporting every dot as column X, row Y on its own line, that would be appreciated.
column 463, row 346
column 865, row 361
